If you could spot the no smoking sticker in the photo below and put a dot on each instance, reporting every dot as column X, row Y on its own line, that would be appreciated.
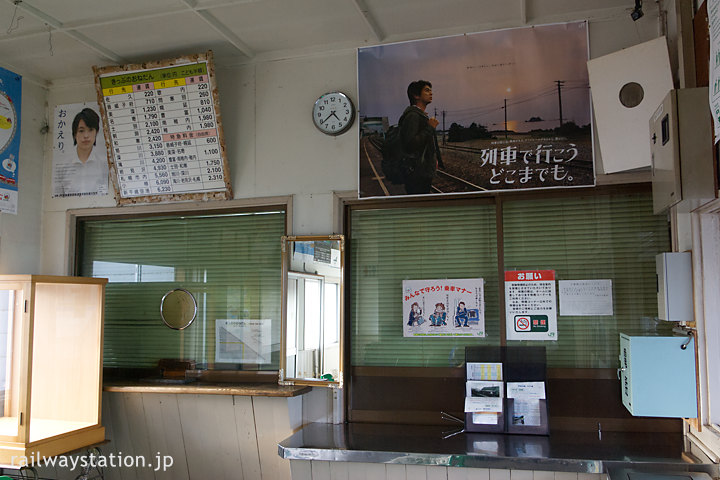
column 522, row 323
column 531, row 323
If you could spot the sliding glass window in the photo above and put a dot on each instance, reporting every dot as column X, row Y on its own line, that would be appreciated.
column 229, row 262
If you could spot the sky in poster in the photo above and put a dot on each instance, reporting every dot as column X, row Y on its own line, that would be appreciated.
column 474, row 75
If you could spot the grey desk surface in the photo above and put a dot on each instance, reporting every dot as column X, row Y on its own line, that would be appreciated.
column 437, row 445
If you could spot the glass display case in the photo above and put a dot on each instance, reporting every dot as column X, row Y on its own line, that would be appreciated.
column 50, row 365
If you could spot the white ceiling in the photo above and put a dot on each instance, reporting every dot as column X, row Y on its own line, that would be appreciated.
column 47, row 40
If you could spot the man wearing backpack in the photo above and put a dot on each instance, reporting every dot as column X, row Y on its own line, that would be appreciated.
column 419, row 143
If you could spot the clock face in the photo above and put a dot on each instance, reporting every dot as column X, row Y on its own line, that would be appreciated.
column 333, row 113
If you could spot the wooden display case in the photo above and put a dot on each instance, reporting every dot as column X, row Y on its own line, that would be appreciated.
column 51, row 331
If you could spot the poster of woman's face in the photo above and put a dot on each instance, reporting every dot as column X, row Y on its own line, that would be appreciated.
column 500, row 110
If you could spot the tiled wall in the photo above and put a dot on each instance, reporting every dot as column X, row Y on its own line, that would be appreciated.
column 316, row 470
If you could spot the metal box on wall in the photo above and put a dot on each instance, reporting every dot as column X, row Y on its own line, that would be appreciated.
column 675, row 283
column 681, row 149
column 657, row 376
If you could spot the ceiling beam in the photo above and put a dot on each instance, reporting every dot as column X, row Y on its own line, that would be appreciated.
column 369, row 19
column 57, row 25
column 224, row 31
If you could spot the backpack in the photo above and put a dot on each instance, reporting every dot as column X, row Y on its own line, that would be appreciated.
column 392, row 164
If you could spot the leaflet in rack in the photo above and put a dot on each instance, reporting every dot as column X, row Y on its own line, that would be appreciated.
column 164, row 133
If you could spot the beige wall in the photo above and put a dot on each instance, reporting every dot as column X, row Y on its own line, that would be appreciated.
column 272, row 146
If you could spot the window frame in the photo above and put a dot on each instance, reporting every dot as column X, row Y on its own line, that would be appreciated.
column 704, row 433
column 75, row 217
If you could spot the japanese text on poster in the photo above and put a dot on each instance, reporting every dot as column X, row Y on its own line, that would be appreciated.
column 585, row 297
column 528, row 127
column 164, row 129
column 80, row 165
column 530, row 305
column 443, row 308
column 10, row 98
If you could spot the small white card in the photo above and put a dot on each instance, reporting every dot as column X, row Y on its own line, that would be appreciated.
column 485, row 418
column 526, row 390
column 483, row 405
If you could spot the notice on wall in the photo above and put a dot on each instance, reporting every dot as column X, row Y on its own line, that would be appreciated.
column 444, row 308
column 80, row 163
column 243, row 341
column 713, row 9
column 10, row 100
column 585, row 297
column 530, row 305
column 164, row 130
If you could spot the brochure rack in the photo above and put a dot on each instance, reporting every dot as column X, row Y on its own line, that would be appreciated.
column 515, row 374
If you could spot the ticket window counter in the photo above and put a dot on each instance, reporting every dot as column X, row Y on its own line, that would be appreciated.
column 50, row 364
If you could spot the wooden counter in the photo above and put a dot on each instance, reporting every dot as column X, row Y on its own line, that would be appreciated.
column 239, row 389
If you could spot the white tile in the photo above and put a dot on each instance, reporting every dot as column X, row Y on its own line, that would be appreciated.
column 565, row 476
column 592, row 476
column 395, row 472
column 416, row 472
column 338, row 470
column 521, row 475
column 498, row 474
column 466, row 473
column 435, row 472
column 543, row 475
column 320, row 470
column 300, row 470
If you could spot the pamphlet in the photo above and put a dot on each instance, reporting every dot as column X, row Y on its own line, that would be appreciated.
column 484, row 371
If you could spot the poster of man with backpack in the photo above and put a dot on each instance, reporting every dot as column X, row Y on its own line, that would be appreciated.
column 416, row 157
column 500, row 110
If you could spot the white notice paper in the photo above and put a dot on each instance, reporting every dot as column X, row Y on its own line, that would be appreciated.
column 243, row 341
column 526, row 390
column 483, row 404
column 585, row 297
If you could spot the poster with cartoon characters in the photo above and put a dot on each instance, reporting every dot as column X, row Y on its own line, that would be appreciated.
column 444, row 308
column 10, row 97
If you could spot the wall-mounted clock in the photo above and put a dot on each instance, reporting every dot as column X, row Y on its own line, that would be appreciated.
column 333, row 113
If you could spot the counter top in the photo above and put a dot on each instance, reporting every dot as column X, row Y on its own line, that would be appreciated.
column 240, row 389
column 442, row 445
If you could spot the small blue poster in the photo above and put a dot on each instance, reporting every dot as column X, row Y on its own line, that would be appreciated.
column 10, row 98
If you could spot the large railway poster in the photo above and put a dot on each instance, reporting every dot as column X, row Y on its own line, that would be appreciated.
column 500, row 110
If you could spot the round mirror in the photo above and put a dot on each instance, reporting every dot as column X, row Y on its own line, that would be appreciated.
column 178, row 308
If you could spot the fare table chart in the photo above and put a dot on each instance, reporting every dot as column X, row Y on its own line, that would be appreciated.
column 163, row 133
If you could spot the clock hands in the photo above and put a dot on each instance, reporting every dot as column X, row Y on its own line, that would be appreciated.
column 332, row 114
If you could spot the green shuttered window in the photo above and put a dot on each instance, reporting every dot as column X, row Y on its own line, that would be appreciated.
column 230, row 262
column 612, row 236
column 604, row 237
column 392, row 245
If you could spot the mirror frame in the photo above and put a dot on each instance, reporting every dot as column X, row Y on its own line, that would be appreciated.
column 286, row 243
column 194, row 315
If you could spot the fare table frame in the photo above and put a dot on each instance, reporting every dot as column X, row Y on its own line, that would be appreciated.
column 179, row 174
